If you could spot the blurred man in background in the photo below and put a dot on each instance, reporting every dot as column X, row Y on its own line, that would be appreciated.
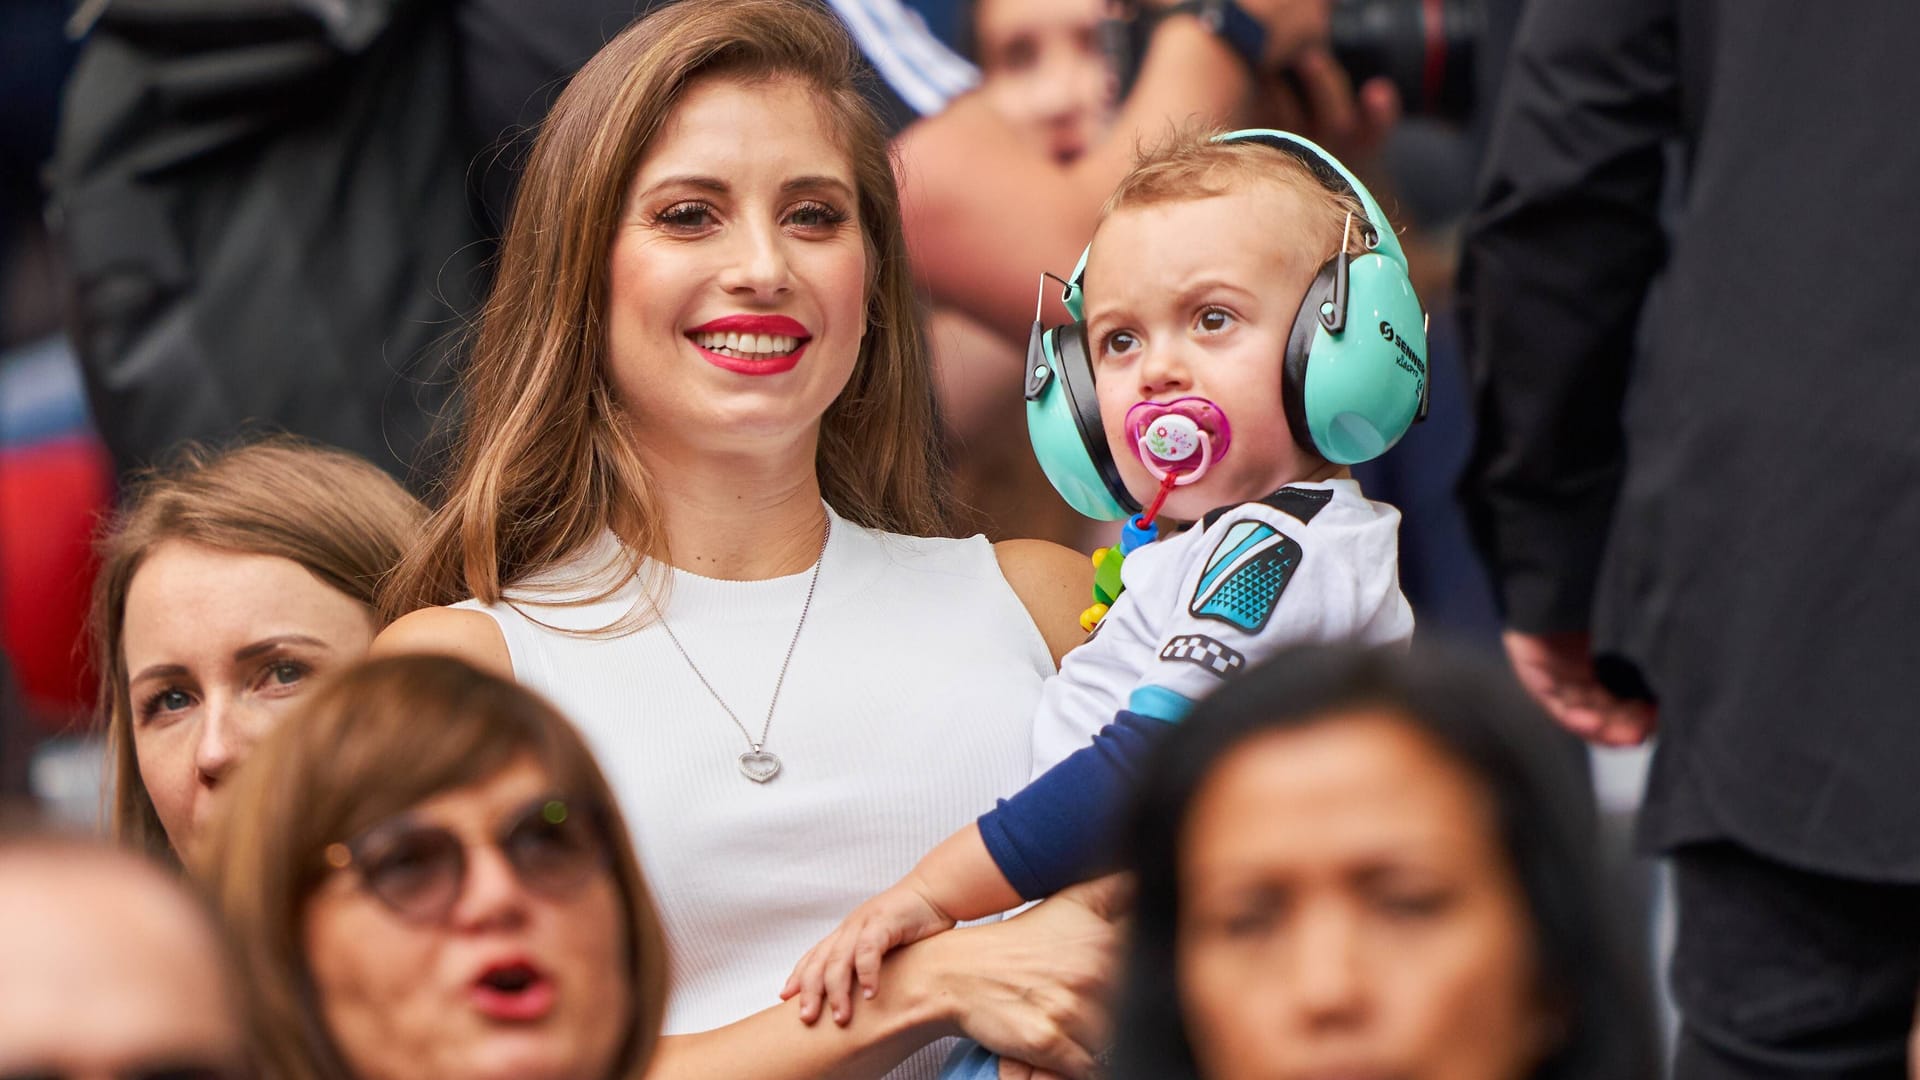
column 1695, row 476
column 112, row 969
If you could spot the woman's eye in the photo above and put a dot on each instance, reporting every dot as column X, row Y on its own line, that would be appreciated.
column 686, row 216
column 1414, row 905
column 1019, row 54
column 815, row 215
column 157, row 705
column 1253, row 922
column 282, row 673
column 1213, row 320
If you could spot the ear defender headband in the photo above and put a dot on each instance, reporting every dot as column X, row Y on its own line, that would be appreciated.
column 1354, row 376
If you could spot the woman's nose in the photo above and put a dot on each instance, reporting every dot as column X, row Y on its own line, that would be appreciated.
column 1053, row 88
column 492, row 894
column 1329, row 985
column 229, row 726
column 1068, row 86
column 219, row 746
column 759, row 266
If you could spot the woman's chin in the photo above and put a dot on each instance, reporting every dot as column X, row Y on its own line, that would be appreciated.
column 517, row 1055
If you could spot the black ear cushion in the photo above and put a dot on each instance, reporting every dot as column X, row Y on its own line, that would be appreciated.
column 1075, row 366
column 1293, row 371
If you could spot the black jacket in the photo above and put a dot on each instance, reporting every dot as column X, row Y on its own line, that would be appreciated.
column 279, row 213
column 264, row 205
column 1691, row 292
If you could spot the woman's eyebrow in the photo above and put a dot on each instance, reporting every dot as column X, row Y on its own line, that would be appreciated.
column 814, row 183
column 159, row 671
column 267, row 645
column 702, row 183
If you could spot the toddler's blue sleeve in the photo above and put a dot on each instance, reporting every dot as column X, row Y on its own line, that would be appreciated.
column 1059, row 830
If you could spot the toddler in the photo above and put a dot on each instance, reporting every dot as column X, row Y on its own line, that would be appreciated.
column 1219, row 269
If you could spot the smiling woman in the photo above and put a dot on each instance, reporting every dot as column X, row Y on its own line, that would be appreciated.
column 697, row 506
column 227, row 583
column 741, row 244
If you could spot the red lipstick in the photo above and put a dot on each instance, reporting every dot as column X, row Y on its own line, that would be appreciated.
column 754, row 324
column 779, row 325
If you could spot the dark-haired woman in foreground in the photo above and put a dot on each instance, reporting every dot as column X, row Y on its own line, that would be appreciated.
column 427, row 876
column 1369, row 863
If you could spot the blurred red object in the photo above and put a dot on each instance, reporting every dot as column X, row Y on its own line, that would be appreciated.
column 51, row 495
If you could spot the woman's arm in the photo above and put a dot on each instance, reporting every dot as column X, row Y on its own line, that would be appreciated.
column 472, row 636
column 1030, row 988
column 1056, row 585
column 986, row 212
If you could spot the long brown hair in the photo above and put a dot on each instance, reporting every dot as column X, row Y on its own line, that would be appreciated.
column 378, row 739
column 335, row 514
column 544, row 461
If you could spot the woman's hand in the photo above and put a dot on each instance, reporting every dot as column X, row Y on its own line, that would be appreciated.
column 1034, row 988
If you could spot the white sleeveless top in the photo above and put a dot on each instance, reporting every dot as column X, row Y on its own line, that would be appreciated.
column 907, row 711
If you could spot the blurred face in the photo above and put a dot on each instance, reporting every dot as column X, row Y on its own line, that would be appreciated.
column 739, row 274
column 1347, row 911
column 110, row 972
column 515, row 978
column 219, row 646
column 1169, row 318
column 1043, row 70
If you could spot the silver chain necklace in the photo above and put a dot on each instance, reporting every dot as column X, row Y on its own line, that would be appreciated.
column 757, row 764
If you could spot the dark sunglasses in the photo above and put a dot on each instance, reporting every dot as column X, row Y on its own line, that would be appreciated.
column 167, row 1070
column 419, row 871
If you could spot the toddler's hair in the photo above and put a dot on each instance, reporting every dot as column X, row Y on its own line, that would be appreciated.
column 1190, row 165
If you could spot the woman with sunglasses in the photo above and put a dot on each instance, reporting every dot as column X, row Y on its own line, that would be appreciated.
column 426, row 876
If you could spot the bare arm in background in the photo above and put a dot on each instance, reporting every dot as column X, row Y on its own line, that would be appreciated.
column 986, row 214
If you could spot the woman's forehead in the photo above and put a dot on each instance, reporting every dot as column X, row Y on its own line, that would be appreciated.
column 734, row 127
column 1352, row 787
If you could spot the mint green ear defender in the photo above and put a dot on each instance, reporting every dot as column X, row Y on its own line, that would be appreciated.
column 1354, row 377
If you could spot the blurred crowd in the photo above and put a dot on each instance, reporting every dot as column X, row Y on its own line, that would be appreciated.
column 376, row 593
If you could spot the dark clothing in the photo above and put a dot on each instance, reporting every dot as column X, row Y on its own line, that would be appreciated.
column 280, row 213
column 1790, row 975
column 1058, row 830
column 267, row 221
column 1724, row 490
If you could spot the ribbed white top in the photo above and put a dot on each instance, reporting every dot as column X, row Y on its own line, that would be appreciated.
column 907, row 710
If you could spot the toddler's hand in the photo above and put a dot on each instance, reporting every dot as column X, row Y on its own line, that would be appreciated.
column 894, row 918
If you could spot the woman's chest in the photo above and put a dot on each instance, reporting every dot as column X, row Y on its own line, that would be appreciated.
column 892, row 728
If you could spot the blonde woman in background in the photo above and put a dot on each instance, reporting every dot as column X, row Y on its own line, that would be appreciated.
column 228, row 582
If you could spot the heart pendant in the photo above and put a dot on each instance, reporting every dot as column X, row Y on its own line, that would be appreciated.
column 759, row 766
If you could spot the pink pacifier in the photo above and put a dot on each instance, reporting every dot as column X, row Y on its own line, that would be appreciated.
column 1178, row 441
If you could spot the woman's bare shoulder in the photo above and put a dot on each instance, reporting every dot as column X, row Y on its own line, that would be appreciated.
column 472, row 636
column 1055, row 583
